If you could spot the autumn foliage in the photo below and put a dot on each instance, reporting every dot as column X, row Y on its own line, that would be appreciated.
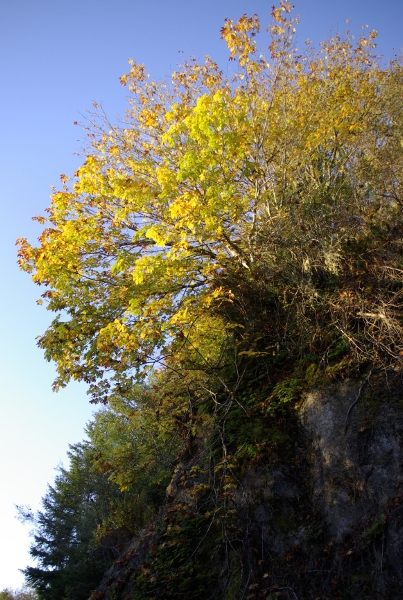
column 287, row 175
column 229, row 230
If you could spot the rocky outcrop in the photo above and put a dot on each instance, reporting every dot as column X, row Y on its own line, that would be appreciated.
column 357, row 467
column 116, row 582
column 325, row 523
column 357, row 463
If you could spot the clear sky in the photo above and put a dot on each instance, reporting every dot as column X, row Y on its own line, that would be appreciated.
column 56, row 57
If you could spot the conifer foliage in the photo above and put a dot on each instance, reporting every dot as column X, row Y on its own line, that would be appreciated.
column 86, row 517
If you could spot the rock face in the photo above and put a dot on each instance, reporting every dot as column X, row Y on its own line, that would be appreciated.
column 326, row 522
column 116, row 583
column 357, row 465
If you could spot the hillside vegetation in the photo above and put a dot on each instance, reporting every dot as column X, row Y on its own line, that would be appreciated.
column 232, row 243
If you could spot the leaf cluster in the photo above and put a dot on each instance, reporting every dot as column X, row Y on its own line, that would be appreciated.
column 284, row 179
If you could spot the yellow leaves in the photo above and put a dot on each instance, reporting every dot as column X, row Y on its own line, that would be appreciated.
column 117, row 334
column 166, row 178
column 238, row 38
column 201, row 179
column 39, row 218
column 90, row 161
column 170, row 116
column 137, row 71
column 140, row 270
column 213, row 296
column 149, row 117
column 251, row 353
column 181, row 317
column 157, row 234
column 114, row 150
column 184, row 207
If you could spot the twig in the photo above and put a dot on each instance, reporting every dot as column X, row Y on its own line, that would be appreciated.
column 290, row 590
column 364, row 383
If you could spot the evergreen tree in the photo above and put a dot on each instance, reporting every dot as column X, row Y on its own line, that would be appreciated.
column 21, row 594
column 70, row 560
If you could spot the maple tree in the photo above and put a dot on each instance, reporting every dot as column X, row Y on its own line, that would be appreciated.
column 284, row 176
column 232, row 241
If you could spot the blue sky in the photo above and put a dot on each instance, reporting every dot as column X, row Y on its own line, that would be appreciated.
column 56, row 57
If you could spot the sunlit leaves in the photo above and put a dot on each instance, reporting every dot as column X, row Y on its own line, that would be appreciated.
column 261, row 171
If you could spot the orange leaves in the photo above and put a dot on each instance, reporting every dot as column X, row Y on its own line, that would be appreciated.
column 238, row 37
column 39, row 218
column 285, row 6
column 282, row 31
column 149, row 117
column 137, row 74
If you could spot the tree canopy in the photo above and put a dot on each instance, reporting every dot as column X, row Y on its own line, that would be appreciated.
column 286, row 174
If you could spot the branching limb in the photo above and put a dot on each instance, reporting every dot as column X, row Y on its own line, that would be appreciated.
column 357, row 398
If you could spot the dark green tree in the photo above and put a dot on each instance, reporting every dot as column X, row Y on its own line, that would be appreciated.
column 70, row 559
column 22, row 594
column 112, row 487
